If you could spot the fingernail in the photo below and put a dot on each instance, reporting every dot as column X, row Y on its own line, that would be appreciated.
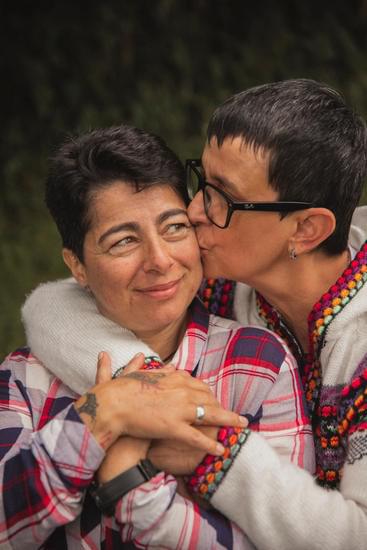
column 139, row 354
column 243, row 421
column 100, row 355
column 219, row 449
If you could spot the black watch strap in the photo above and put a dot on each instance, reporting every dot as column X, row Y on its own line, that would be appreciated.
column 107, row 494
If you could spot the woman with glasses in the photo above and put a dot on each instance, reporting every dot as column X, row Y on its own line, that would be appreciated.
column 118, row 197
column 280, row 178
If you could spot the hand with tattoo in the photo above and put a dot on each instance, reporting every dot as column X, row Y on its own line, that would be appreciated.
column 89, row 407
column 151, row 405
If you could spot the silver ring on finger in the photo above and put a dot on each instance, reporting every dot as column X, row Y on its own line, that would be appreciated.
column 200, row 412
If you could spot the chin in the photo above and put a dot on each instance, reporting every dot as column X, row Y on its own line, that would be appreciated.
column 166, row 317
column 211, row 271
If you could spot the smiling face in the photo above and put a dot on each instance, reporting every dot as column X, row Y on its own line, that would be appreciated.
column 141, row 258
column 255, row 243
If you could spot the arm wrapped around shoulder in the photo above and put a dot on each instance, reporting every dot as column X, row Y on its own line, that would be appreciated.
column 66, row 332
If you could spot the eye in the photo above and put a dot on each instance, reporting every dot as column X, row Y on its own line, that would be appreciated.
column 123, row 245
column 207, row 196
column 178, row 229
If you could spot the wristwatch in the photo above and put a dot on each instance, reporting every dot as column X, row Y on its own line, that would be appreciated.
column 106, row 495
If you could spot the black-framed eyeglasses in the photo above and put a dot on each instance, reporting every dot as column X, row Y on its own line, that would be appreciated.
column 219, row 207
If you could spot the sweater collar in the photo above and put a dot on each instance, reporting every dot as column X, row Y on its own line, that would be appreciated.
column 330, row 304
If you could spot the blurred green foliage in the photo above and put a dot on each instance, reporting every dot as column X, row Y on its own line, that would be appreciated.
column 162, row 65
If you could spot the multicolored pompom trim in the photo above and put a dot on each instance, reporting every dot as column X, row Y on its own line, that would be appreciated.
column 210, row 472
column 217, row 296
column 323, row 312
column 151, row 362
column 330, row 425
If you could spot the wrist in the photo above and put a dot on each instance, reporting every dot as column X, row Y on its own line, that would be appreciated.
column 125, row 453
column 106, row 495
column 86, row 407
column 211, row 471
column 104, row 409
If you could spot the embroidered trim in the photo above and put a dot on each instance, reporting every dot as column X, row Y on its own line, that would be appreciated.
column 355, row 404
column 329, row 441
column 329, row 435
column 323, row 312
column 210, row 472
column 357, row 449
column 217, row 296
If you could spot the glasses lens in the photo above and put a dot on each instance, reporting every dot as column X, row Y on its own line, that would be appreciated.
column 192, row 179
column 216, row 206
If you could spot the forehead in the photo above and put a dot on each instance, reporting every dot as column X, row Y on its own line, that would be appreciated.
column 236, row 166
column 122, row 200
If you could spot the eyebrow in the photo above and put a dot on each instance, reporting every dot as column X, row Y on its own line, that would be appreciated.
column 221, row 181
column 134, row 226
column 169, row 213
column 129, row 226
column 227, row 187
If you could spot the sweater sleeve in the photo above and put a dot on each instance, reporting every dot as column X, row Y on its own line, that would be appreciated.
column 66, row 332
column 279, row 505
column 46, row 465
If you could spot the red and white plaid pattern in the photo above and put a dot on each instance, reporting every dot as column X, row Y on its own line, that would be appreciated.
column 48, row 457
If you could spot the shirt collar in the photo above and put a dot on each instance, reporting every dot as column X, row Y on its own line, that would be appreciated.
column 194, row 341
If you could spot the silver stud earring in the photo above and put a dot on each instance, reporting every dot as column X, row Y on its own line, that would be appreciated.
column 292, row 254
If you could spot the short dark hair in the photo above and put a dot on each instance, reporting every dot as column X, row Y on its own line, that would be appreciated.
column 99, row 158
column 317, row 145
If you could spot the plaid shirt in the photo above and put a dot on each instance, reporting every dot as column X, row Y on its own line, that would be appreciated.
column 48, row 456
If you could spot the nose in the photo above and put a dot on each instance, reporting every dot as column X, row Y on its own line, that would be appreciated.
column 196, row 210
column 157, row 256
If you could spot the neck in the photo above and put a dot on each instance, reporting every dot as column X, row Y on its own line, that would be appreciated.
column 166, row 339
column 295, row 289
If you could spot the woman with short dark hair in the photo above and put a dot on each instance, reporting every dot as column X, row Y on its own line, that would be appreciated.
column 119, row 199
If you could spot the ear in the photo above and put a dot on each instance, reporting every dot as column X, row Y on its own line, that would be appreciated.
column 76, row 267
column 313, row 227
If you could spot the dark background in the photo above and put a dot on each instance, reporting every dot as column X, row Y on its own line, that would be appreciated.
column 163, row 65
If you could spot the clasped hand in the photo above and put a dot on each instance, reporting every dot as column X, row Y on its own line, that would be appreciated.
column 151, row 405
